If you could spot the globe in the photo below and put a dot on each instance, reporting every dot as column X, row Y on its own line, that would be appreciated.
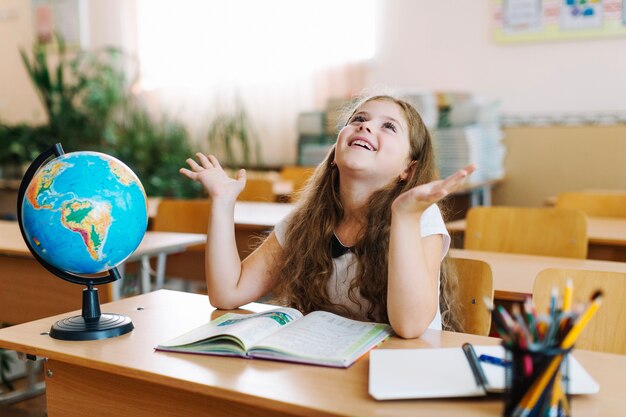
column 84, row 212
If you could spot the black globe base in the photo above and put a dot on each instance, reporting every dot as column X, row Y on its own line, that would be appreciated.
column 77, row 328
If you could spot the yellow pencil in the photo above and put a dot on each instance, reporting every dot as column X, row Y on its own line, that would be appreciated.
column 573, row 334
column 567, row 296
column 536, row 389
column 556, row 395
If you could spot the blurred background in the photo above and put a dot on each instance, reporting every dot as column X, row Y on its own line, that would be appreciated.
column 262, row 85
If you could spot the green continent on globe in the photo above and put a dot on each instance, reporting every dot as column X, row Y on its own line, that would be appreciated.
column 91, row 219
column 42, row 187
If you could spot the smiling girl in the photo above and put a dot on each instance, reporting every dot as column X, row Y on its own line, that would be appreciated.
column 366, row 240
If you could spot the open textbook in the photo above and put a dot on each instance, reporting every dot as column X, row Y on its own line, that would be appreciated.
column 446, row 372
column 319, row 338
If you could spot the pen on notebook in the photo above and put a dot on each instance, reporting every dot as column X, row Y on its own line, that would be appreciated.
column 477, row 370
column 494, row 360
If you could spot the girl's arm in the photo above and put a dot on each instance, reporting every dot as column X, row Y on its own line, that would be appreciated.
column 414, row 261
column 413, row 273
column 230, row 282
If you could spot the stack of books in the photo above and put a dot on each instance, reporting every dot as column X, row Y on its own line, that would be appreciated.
column 313, row 140
column 468, row 132
column 457, row 147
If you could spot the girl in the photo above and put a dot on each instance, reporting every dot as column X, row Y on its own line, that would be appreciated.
column 366, row 240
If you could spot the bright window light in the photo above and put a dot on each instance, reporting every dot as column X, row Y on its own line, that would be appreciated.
column 194, row 45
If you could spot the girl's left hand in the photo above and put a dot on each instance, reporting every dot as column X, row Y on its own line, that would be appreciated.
column 419, row 198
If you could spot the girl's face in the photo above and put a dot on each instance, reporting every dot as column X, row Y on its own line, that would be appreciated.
column 375, row 142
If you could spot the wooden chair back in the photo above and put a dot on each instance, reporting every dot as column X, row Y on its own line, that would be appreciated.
column 184, row 216
column 606, row 332
column 258, row 189
column 599, row 204
column 475, row 281
column 298, row 175
column 532, row 231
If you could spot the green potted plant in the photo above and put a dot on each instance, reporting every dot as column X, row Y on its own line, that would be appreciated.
column 89, row 107
column 79, row 94
column 233, row 138
column 155, row 151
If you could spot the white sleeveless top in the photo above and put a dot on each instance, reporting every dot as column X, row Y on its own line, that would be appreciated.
column 345, row 266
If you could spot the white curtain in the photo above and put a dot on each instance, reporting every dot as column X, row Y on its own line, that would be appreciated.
column 280, row 57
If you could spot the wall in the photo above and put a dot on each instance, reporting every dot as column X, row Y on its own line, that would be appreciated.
column 543, row 161
column 108, row 22
column 18, row 100
column 425, row 46
column 447, row 45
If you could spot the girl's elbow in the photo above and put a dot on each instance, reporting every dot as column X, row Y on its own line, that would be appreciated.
column 409, row 331
column 407, row 327
column 222, row 304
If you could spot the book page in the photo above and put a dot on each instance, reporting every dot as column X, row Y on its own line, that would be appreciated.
column 325, row 336
column 246, row 328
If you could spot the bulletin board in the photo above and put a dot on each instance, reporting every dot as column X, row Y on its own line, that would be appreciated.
column 541, row 20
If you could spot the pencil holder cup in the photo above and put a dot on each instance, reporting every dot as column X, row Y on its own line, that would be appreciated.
column 536, row 382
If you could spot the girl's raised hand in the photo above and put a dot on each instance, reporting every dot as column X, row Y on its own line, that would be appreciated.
column 419, row 198
column 211, row 175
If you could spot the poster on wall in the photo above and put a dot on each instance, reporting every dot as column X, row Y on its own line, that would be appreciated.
column 540, row 20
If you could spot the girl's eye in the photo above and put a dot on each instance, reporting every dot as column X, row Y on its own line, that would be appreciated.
column 358, row 118
column 389, row 125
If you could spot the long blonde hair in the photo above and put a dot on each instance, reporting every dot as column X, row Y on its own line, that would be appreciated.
column 302, row 270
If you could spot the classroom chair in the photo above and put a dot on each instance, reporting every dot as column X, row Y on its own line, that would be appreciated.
column 184, row 216
column 258, row 189
column 594, row 203
column 475, row 281
column 606, row 332
column 532, row 231
column 298, row 175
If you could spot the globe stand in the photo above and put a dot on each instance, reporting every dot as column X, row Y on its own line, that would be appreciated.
column 92, row 324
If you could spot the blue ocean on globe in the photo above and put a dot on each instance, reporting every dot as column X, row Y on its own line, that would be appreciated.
column 84, row 212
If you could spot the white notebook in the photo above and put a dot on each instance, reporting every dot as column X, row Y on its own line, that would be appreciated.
column 438, row 373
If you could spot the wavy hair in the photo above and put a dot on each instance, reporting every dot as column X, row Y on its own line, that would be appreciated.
column 302, row 272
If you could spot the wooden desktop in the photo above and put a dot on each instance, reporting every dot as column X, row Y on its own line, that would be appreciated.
column 125, row 376
column 514, row 274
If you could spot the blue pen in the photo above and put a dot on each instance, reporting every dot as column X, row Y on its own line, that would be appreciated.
column 494, row 360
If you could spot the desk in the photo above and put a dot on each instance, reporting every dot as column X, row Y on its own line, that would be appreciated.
column 607, row 237
column 125, row 376
column 249, row 215
column 253, row 220
column 254, row 216
column 29, row 292
column 514, row 274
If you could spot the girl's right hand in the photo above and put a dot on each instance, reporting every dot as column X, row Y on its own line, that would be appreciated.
column 215, row 181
